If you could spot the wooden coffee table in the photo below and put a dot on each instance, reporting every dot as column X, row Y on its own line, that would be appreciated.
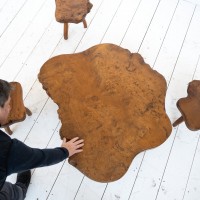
column 190, row 107
column 113, row 100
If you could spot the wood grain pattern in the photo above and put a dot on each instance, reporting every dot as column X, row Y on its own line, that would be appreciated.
column 72, row 11
column 18, row 110
column 113, row 100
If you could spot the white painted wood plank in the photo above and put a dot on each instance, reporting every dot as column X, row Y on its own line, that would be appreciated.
column 68, row 185
column 8, row 13
column 43, row 178
column 192, row 191
column 197, row 71
column 25, row 46
column 2, row 4
column 139, row 25
column 191, row 41
column 149, row 177
column 158, row 30
column 99, row 25
column 176, row 174
column 175, row 35
column 121, row 188
column 193, row 1
column 44, row 126
column 64, row 171
column 121, row 21
column 185, row 140
column 90, row 189
column 16, row 29
column 51, row 37
column 40, row 55
column 35, row 101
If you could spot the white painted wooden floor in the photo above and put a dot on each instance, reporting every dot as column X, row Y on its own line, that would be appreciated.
column 165, row 32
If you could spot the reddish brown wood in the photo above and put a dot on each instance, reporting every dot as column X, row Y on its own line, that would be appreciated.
column 72, row 11
column 28, row 112
column 18, row 110
column 8, row 130
column 65, row 31
column 113, row 100
column 84, row 23
column 178, row 121
column 190, row 106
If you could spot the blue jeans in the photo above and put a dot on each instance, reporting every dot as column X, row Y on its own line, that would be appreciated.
column 13, row 191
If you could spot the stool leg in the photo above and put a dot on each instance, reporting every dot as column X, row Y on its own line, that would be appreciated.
column 84, row 23
column 178, row 121
column 7, row 129
column 65, row 31
column 28, row 112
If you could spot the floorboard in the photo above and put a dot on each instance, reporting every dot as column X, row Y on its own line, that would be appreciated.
column 165, row 32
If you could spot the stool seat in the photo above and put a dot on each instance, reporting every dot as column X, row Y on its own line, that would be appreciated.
column 190, row 107
column 18, row 110
column 72, row 11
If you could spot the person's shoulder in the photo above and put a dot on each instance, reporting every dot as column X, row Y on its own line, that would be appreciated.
column 4, row 136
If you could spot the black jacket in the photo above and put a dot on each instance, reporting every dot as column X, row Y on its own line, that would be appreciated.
column 15, row 156
column 5, row 144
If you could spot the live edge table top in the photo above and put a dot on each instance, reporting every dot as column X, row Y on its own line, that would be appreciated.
column 113, row 100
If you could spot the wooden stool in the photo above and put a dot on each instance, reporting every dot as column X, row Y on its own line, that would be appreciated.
column 18, row 110
column 72, row 11
column 190, row 107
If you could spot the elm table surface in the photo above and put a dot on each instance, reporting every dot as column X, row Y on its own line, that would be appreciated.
column 113, row 100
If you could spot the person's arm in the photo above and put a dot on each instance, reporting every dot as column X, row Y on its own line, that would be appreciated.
column 4, row 195
column 22, row 157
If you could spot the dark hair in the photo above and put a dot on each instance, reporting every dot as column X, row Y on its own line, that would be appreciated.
column 5, row 89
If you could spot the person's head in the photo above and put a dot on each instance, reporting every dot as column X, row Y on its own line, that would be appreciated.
column 5, row 89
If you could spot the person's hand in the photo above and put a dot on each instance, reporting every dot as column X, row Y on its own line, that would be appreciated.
column 73, row 146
